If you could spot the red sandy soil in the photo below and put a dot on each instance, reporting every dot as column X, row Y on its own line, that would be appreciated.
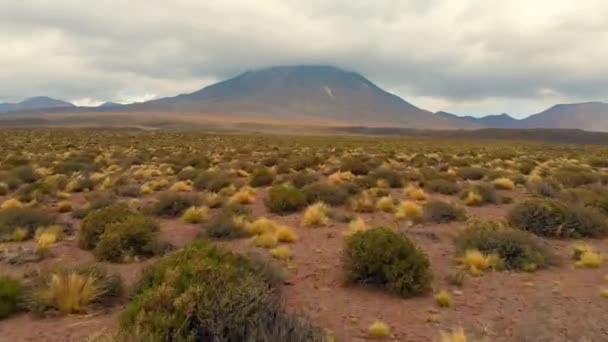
column 561, row 303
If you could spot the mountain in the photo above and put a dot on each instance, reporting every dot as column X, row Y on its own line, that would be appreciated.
column 589, row 116
column 109, row 105
column 490, row 121
column 304, row 95
column 34, row 103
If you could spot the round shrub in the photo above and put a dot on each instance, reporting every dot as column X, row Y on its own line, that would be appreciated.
column 392, row 177
column 11, row 291
column 135, row 236
column 442, row 212
column 325, row 192
column 442, row 186
column 472, row 173
column 96, row 221
column 224, row 226
column 303, row 178
column 262, row 176
column 211, row 181
column 285, row 199
column 384, row 258
column 23, row 218
column 516, row 248
column 487, row 193
column 359, row 164
column 173, row 204
column 552, row 218
column 205, row 293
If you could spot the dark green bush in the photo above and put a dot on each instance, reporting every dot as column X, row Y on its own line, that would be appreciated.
column 173, row 204
column 442, row 186
column 325, row 192
column 97, row 200
column 382, row 257
column 222, row 226
column 205, row 293
column 472, row 173
column 24, row 173
column 394, row 178
column 573, row 179
column 212, row 181
column 188, row 174
column 285, row 199
column 488, row 193
column 359, row 164
column 593, row 197
column 301, row 179
column 96, row 221
column 134, row 237
column 26, row 217
column 11, row 292
column 516, row 248
column 553, row 218
column 442, row 212
column 262, row 176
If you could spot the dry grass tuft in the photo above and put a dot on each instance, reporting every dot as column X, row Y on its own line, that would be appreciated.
column 410, row 211
column 379, row 330
column 195, row 214
column 315, row 215
column 415, row 193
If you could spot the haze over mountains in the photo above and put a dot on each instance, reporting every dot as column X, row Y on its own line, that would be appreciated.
column 318, row 95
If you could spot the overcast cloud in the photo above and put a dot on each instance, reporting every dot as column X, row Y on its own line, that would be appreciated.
column 464, row 56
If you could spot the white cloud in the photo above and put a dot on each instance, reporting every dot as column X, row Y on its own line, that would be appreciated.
column 472, row 56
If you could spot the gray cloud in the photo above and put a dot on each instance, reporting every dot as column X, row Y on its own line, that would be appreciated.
column 469, row 56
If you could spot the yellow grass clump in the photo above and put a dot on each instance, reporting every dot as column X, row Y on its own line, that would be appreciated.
column 473, row 199
column 341, row 177
column 285, row 234
column 281, row 253
column 476, row 262
column 11, row 203
column 383, row 184
column 195, row 214
column 71, row 292
column 379, row 329
column 386, row 204
column 415, row 193
column 355, row 226
column 261, row 226
column 503, row 183
column 64, row 206
column 315, row 215
column 604, row 293
column 443, row 299
column 181, row 186
column 410, row 211
column 363, row 203
column 266, row 240
column 457, row 335
column 589, row 259
column 242, row 173
column 245, row 195
column 43, row 172
column 19, row 234
column 44, row 241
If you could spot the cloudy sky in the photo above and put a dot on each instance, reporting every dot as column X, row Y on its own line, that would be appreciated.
column 464, row 56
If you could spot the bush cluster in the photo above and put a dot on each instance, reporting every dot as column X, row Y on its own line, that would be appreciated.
column 283, row 199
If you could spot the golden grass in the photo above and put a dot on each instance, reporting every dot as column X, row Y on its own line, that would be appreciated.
column 286, row 234
column 589, row 259
column 245, row 195
column 19, row 234
column 457, row 335
column 409, row 210
column 64, row 206
column 473, row 199
column 363, row 203
column 11, row 203
column 415, row 193
column 386, row 204
column 181, row 186
column 266, row 240
column 195, row 214
column 379, row 329
column 341, row 177
column 503, row 183
column 281, row 253
column 315, row 215
column 443, row 299
column 261, row 226
column 476, row 262
column 355, row 226
column 71, row 292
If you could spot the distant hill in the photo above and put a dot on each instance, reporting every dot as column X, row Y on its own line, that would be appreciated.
column 34, row 103
column 590, row 116
column 312, row 94
column 489, row 121
column 109, row 105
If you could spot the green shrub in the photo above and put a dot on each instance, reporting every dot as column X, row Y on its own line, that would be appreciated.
column 173, row 204
column 382, row 257
column 553, row 218
column 188, row 174
column 392, row 177
column 23, row 218
column 301, row 179
column 24, row 173
column 262, row 176
column 205, row 293
column 516, row 248
column 223, row 226
column 488, row 193
column 121, row 241
column 212, row 181
column 573, row 179
column 97, row 200
column 302, row 162
column 72, row 290
column 285, row 199
column 325, row 192
column 472, row 173
column 593, row 197
column 96, row 221
column 442, row 186
column 11, row 292
column 442, row 212
column 544, row 188
column 359, row 164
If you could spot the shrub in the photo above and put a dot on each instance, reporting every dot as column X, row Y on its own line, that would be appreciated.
column 587, row 257
column 281, row 252
column 503, row 183
column 472, row 173
column 25, row 219
column 284, row 199
column 64, row 206
column 442, row 186
column 225, row 226
column 341, row 177
column 173, row 204
column 392, row 177
column 315, row 215
column 472, row 198
column 355, row 226
column 477, row 262
column 443, row 299
column 181, row 186
column 217, row 295
column 133, row 237
column 195, row 214
column 573, row 179
column 410, row 211
column 72, row 290
column 11, row 292
column 552, row 218
column 303, row 178
column 442, row 212
column 382, row 257
column 364, row 202
column 517, row 249
column 95, row 223
column 415, row 193
column 211, row 181
column 11, row 203
column 386, row 204
column 359, row 164
column 479, row 194
column 245, row 195
column 327, row 193
column 285, row 234
column 379, row 330
column 262, row 176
